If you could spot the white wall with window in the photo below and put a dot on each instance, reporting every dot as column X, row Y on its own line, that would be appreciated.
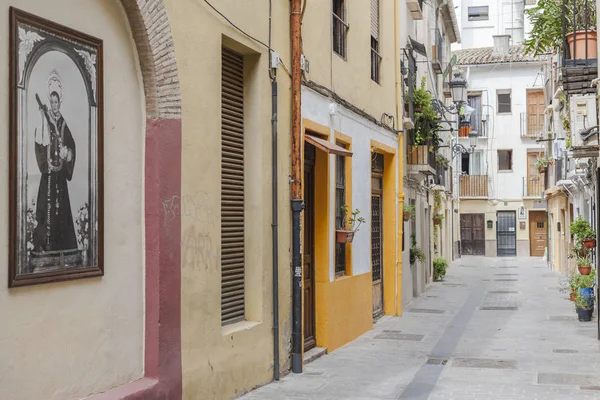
column 499, row 94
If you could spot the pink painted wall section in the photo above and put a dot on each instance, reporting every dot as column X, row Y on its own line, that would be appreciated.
column 162, row 374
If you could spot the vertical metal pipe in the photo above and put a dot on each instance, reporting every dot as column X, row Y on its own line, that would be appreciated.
column 275, row 231
column 297, row 204
column 574, row 32
column 564, row 32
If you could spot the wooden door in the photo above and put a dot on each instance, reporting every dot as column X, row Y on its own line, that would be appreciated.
column 535, row 180
column 308, row 248
column 535, row 112
column 472, row 234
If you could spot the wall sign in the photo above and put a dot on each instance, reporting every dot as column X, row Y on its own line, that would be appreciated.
column 56, row 119
column 522, row 213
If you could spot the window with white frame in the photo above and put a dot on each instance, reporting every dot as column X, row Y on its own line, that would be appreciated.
column 504, row 105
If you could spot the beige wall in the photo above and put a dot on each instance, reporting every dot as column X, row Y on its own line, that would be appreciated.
column 221, row 363
column 68, row 340
column 351, row 78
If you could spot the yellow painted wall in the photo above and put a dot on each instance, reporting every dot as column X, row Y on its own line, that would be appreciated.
column 223, row 362
column 351, row 78
column 69, row 340
column 558, row 206
column 345, row 311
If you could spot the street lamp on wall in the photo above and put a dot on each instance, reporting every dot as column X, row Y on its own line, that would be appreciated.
column 458, row 89
column 458, row 148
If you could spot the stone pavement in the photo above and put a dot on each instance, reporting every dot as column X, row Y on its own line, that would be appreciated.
column 496, row 328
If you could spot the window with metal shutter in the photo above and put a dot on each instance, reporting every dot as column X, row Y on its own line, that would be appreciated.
column 232, row 188
column 375, row 19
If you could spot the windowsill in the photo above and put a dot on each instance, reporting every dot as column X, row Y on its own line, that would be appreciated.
column 238, row 327
column 505, row 171
column 507, row 113
column 340, row 56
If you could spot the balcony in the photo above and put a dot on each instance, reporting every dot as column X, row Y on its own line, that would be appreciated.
column 473, row 186
column 420, row 159
column 580, row 53
column 437, row 53
column 535, row 186
column 416, row 8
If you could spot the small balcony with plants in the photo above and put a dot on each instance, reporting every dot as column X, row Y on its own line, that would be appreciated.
column 567, row 28
column 424, row 139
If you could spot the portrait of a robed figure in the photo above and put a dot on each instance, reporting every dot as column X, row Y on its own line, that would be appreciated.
column 56, row 152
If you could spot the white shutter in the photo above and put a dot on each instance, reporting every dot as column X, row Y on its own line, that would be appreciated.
column 375, row 19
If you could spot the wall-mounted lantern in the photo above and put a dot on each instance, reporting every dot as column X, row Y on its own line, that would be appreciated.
column 490, row 224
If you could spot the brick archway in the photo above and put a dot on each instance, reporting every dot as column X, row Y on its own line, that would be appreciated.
column 162, row 353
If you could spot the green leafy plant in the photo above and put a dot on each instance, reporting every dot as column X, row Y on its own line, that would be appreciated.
column 584, row 282
column 546, row 19
column 442, row 161
column 581, row 229
column 415, row 252
column 426, row 120
column 351, row 222
column 584, row 261
column 409, row 210
column 543, row 162
column 439, row 268
column 568, row 282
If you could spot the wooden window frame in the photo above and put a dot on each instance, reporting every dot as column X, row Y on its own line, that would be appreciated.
column 540, row 116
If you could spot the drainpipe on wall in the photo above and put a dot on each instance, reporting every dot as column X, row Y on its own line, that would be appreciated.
column 400, row 160
column 296, row 182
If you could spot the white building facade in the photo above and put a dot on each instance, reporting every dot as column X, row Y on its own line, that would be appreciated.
column 502, row 211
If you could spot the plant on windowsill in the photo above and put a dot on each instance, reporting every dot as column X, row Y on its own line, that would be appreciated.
column 439, row 268
column 408, row 212
column 350, row 224
column 583, row 233
column 415, row 252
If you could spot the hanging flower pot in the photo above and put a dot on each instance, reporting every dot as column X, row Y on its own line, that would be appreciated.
column 418, row 108
column 590, row 243
column 584, row 269
column 437, row 219
column 342, row 236
column 406, row 216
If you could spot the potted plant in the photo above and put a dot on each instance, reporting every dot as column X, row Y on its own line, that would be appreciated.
column 568, row 284
column 583, row 232
column 408, row 212
column 437, row 219
column 415, row 252
column 547, row 35
column 349, row 226
column 542, row 163
column 583, row 265
column 421, row 97
column 584, row 300
column 439, row 268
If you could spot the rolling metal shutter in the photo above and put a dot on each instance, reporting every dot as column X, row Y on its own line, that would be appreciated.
column 232, row 188
column 375, row 19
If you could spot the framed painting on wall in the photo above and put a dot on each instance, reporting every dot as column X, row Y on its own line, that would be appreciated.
column 56, row 142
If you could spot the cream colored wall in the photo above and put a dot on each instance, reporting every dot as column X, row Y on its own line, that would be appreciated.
column 351, row 78
column 69, row 340
column 221, row 363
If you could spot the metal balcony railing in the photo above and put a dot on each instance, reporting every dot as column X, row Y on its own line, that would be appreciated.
column 578, row 26
column 473, row 186
column 535, row 186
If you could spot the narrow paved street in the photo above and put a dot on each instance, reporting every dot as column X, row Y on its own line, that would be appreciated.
column 496, row 328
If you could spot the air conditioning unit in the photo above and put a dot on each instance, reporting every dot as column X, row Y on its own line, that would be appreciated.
column 582, row 113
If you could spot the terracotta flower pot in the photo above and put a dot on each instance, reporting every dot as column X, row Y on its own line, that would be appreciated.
column 573, row 296
column 418, row 108
column 589, row 243
column 342, row 236
column 577, row 42
column 584, row 269
column 437, row 220
column 406, row 216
